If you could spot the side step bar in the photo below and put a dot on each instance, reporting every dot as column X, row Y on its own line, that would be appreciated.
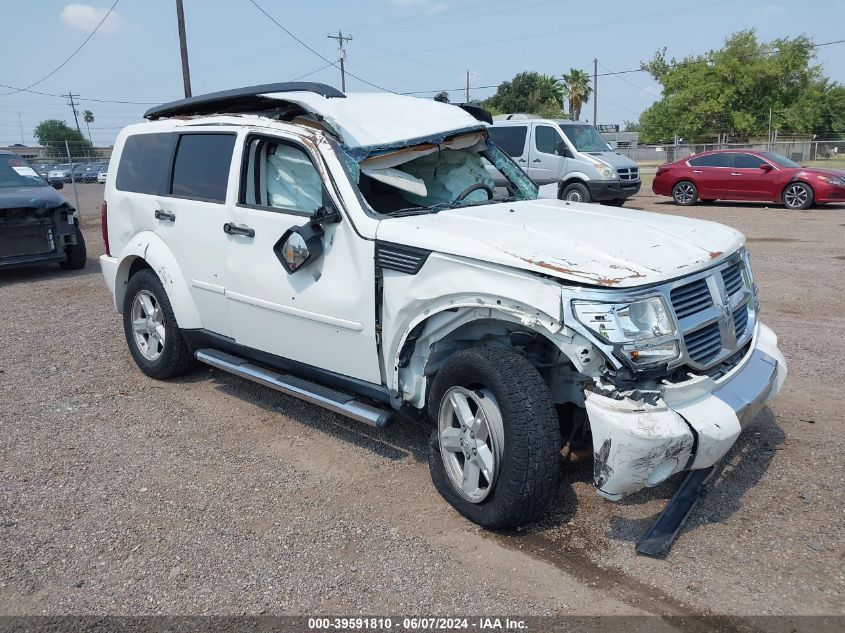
column 325, row 397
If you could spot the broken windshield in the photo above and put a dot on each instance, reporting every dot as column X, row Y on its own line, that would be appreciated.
column 431, row 177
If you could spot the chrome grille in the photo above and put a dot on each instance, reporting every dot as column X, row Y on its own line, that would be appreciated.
column 628, row 173
column 704, row 344
column 740, row 320
column 691, row 298
column 716, row 314
column 733, row 278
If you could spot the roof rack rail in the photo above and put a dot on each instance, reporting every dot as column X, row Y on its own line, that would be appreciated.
column 238, row 100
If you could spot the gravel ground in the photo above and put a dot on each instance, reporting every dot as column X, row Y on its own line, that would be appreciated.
column 124, row 495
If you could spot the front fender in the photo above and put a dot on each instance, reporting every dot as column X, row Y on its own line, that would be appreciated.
column 149, row 247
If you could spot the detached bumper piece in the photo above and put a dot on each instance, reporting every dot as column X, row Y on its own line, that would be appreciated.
column 34, row 235
column 690, row 427
column 659, row 538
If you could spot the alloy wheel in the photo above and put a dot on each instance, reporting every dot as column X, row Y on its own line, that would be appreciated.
column 148, row 325
column 471, row 438
column 684, row 193
column 795, row 196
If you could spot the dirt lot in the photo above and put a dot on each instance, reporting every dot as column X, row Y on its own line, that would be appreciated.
column 120, row 494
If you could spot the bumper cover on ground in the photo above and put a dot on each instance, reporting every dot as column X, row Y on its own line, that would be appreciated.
column 692, row 426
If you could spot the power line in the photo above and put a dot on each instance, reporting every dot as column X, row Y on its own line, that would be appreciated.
column 72, row 55
column 325, row 59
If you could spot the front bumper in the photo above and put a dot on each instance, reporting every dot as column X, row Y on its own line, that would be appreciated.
column 692, row 425
column 612, row 189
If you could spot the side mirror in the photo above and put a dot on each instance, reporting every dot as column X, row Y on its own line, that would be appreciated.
column 562, row 149
column 302, row 244
column 766, row 167
column 57, row 184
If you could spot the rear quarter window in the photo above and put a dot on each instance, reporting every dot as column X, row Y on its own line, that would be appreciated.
column 711, row 160
column 511, row 138
column 201, row 168
column 143, row 163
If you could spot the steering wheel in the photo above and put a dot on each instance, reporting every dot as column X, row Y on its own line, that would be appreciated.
column 477, row 186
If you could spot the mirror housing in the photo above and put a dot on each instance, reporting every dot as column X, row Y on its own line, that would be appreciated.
column 57, row 184
column 562, row 149
column 766, row 167
column 302, row 244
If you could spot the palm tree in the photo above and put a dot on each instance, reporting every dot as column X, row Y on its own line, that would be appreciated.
column 88, row 117
column 576, row 85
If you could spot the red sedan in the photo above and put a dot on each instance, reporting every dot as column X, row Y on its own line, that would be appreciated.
column 747, row 175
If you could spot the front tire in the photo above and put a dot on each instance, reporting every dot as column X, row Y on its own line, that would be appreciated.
column 685, row 193
column 798, row 196
column 575, row 192
column 495, row 452
column 152, row 333
column 76, row 255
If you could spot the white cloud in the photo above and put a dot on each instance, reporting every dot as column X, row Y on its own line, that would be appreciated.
column 84, row 17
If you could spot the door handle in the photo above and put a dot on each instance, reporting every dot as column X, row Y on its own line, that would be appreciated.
column 735, row 174
column 537, row 160
column 233, row 229
column 165, row 215
column 696, row 171
column 522, row 160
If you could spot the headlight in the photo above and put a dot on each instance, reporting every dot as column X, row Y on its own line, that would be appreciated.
column 832, row 180
column 605, row 171
column 633, row 327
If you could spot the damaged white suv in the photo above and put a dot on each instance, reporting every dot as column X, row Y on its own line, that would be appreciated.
column 353, row 250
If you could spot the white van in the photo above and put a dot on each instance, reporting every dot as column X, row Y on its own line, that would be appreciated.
column 570, row 153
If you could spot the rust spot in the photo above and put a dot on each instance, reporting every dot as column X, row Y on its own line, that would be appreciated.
column 715, row 254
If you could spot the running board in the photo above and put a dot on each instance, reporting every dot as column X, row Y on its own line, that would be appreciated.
column 658, row 540
column 336, row 401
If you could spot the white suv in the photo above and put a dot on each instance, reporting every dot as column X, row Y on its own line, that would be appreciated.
column 353, row 250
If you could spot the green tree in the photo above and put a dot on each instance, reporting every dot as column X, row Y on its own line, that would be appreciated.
column 576, row 86
column 733, row 89
column 630, row 126
column 88, row 117
column 528, row 92
column 53, row 133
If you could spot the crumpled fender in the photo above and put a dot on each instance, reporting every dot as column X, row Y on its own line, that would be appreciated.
column 152, row 249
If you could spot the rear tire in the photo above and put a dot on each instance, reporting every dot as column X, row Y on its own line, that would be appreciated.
column 76, row 255
column 152, row 333
column 797, row 196
column 513, row 476
column 575, row 192
column 685, row 193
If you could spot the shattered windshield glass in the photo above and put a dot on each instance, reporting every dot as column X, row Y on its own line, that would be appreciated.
column 429, row 177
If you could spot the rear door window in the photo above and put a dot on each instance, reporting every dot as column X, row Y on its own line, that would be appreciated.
column 747, row 161
column 143, row 163
column 201, row 167
column 711, row 160
column 510, row 138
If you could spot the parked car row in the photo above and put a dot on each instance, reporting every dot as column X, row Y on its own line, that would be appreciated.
column 66, row 172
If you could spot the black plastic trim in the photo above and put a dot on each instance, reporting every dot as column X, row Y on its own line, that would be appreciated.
column 401, row 258
column 238, row 99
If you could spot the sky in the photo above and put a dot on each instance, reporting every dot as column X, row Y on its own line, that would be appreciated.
column 408, row 46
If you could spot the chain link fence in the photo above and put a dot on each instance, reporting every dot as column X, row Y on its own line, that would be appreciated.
column 800, row 150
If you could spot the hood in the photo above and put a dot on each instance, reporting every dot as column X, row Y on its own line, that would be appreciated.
column 613, row 158
column 31, row 198
column 819, row 171
column 582, row 243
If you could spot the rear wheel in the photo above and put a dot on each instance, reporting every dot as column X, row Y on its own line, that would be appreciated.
column 153, row 336
column 575, row 192
column 75, row 254
column 798, row 195
column 495, row 452
column 685, row 193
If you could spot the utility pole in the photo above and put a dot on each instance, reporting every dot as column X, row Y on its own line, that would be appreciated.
column 183, row 48
column 770, row 129
column 340, row 40
column 20, row 123
column 595, row 91
column 466, row 97
column 73, row 105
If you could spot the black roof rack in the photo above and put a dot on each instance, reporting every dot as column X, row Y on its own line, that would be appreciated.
column 247, row 99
